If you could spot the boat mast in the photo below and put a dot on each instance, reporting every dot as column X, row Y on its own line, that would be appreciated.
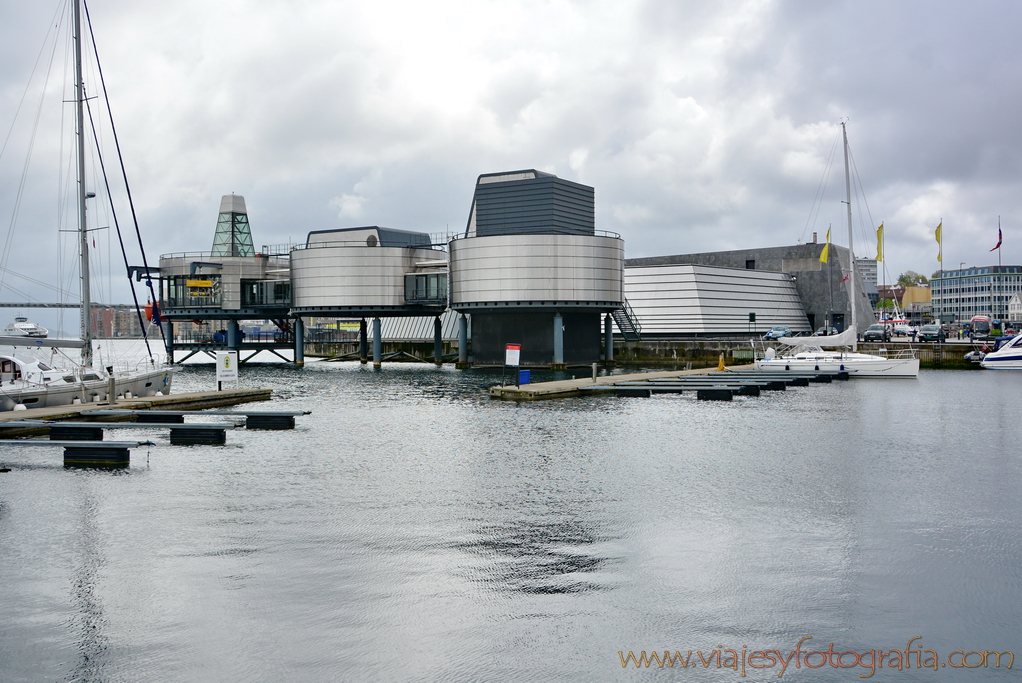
column 83, row 235
column 851, row 256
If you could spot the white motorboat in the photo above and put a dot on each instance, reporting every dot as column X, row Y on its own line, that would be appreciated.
column 31, row 382
column 1007, row 355
column 807, row 353
column 23, row 327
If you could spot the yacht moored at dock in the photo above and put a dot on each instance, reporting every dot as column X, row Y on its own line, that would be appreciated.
column 1005, row 356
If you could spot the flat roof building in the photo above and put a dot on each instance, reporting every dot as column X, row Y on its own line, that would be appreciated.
column 958, row 295
column 821, row 287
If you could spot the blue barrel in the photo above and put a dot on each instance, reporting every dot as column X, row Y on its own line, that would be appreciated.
column 524, row 376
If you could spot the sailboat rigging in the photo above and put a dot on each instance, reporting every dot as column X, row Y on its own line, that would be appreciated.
column 26, row 382
column 806, row 353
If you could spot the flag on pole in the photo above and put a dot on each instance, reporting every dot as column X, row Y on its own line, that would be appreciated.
column 940, row 245
column 880, row 243
column 998, row 245
column 845, row 278
column 826, row 248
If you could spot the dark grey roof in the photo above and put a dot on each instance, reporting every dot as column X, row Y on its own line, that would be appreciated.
column 536, row 203
column 389, row 237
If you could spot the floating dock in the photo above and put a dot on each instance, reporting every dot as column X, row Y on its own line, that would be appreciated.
column 198, row 400
column 712, row 385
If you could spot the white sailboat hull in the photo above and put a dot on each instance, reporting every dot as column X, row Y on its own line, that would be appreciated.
column 90, row 391
column 855, row 364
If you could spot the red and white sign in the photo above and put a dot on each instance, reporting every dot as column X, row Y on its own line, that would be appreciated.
column 512, row 353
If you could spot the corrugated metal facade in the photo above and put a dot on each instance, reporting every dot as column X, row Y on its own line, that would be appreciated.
column 691, row 299
column 546, row 204
column 417, row 329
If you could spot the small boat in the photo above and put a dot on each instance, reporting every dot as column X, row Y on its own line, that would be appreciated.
column 23, row 327
column 807, row 354
column 1007, row 355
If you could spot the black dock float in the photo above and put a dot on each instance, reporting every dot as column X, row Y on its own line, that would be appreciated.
column 714, row 394
column 821, row 379
column 159, row 417
column 61, row 433
column 264, row 419
column 94, row 454
column 843, row 376
column 798, row 382
column 632, row 391
column 773, row 386
column 195, row 436
column 97, row 456
column 270, row 421
column 749, row 390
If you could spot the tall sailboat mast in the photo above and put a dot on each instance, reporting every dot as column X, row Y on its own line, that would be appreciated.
column 851, row 256
column 83, row 234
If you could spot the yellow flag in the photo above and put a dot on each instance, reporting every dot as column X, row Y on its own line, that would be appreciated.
column 826, row 248
column 940, row 245
column 880, row 243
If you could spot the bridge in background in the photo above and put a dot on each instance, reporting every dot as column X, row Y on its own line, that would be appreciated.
column 119, row 307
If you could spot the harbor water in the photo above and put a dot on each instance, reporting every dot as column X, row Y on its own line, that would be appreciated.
column 411, row 529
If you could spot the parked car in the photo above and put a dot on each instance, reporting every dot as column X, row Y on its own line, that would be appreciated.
column 777, row 332
column 931, row 333
column 904, row 330
column 826, row 331
column 877, row 332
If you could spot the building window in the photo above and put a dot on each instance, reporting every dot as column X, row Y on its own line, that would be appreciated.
column 750, row 264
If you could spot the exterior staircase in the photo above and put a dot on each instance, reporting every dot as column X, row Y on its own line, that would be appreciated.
column 627, row 323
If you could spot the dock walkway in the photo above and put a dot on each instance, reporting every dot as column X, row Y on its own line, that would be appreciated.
column 198, row 400
column 566, row 388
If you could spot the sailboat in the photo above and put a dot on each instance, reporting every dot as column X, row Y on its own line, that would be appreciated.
column 28, row 382
column 807, row 353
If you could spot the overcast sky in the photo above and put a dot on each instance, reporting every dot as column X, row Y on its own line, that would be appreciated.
column 702, row 126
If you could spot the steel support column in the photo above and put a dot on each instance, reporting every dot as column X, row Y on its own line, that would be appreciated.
column 233, row 335
column 363, row 342
column 608, row 333
column 558, row 362
column 299, row 342
column 438, row 342
column 462, row 341
column 377, row 343
column 168, row 339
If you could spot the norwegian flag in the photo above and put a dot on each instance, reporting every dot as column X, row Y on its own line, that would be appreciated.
column 998, row 245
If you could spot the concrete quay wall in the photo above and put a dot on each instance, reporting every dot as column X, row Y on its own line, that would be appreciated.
column 688, row 353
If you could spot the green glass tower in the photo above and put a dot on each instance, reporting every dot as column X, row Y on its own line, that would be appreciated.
column 233, row 236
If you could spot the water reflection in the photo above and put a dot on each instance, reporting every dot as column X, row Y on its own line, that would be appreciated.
column 539, row 557
column 413, row 529
column 88, row 620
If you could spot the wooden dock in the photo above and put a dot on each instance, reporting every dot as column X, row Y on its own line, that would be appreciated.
column 566, row 388
column 198, row 400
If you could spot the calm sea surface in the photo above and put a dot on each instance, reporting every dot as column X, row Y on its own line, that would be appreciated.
column 411, row 529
